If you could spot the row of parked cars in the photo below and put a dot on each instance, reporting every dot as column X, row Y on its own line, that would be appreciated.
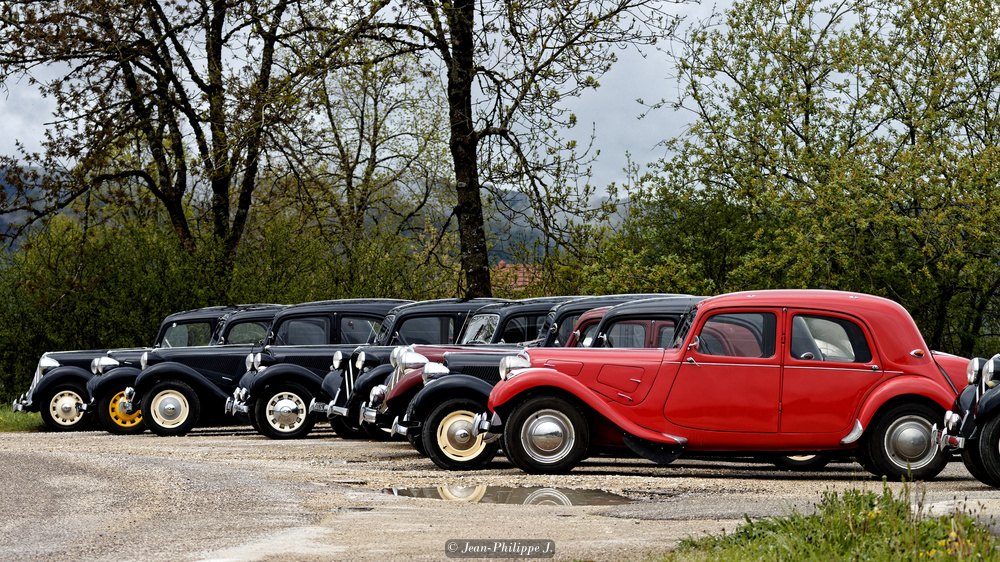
column 794, row 376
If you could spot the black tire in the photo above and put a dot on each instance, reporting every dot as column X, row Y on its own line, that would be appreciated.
column 801, row 463
column 376, row 433
column 416, row 438
column 987, row 447
column 448, row 439
column 546, row 435
column 282, row 412
column 901, row 443
column 345, row 430
column 171, row 408
column 113, row 419
column 974, row 463
column 59, row 411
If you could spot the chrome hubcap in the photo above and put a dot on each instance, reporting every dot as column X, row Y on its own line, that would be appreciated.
column 909, row 443
column 548, row 436
column 286, row 411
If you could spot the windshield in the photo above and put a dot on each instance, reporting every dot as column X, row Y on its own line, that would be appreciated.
column 480, row 329
column 384, row 331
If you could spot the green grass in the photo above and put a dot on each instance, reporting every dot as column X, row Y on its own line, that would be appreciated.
column 19, row 421
column 855, row 525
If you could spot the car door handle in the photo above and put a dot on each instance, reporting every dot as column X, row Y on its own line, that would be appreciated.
column 625, row 396
column 872, row 367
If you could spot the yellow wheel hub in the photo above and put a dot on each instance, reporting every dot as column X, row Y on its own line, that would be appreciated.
column 119, row 416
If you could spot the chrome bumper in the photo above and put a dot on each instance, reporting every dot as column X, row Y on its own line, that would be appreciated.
column 490, row 427
column 234, row 407
column 405, row 427
column 21, row 404
column 948, row 437
column 368, row 415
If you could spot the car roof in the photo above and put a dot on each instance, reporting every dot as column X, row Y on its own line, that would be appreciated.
column 650, row 307
column 537, row 304
column 376, row 306
column 444, row 305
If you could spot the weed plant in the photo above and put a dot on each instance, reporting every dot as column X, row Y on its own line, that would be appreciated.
column 854, row 525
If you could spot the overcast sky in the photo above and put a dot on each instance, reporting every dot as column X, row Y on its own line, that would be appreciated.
column 611, row 109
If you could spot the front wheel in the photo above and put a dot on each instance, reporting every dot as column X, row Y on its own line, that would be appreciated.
column 546, row 435
column 114, row 419
column 282, row 412
column 60, row 411
column 448, row 439
column 171, row 408
column 901, row 443
column 987, row 448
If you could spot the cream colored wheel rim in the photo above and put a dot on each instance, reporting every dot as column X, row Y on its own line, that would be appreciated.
column 63, row 407
column 455, row 438
column 169, row 408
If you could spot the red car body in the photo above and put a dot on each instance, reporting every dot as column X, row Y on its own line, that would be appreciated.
column 727, row 387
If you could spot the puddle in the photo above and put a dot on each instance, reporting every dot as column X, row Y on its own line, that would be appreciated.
column 508, row 495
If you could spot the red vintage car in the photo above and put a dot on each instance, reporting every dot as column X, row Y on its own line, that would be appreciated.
column 787, row 371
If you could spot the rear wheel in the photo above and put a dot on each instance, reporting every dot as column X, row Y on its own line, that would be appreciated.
column 449, row 440
column 59, row 410
column 546, row 435
column 283, row 412
column 171, row 408
column 987, row 448
column 901, row 443
column 114, row 419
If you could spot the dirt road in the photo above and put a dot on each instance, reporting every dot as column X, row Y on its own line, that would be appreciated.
column 230, row 494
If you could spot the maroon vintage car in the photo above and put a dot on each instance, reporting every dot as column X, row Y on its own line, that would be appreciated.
column 788, row 371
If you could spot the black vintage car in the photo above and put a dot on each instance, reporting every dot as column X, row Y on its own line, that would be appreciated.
column 119, row 369
column 499, row 327
column 972, row 426
column 349, row 383
column 57, row 390
column 177, row 388
column 442, row 415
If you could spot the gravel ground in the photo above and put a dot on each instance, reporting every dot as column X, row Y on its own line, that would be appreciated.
column 230, row 494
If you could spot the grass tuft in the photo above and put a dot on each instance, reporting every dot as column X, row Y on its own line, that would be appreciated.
column 854, row 525
column 19, row 421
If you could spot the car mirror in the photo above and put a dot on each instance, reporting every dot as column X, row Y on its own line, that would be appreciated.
column 695, row 344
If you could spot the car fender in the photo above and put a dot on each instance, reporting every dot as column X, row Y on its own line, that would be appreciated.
column 989, row 403
column 332, row 386
column 446, row 387
column 366, row 382
column 60, row 375
column 908, row 385
column 536, row 381
column 282, row 373
column 170, row 370
column 101, row 385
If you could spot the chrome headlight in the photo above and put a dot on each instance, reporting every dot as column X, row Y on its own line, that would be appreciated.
column 434, row 370
column 248, row 362
column 244, row 392
column 257, row 361
column 411, row 360
column 46, row 364
column 513, row 362
column 144, row 360
column 989, row 370
column 377, row 395
column 101, row 364
column 395, row 354
column 338, row 357
column 974, row 368
column 360, row 362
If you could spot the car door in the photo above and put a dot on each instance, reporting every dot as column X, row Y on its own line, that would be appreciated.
column 830, row 365
column 730, row 380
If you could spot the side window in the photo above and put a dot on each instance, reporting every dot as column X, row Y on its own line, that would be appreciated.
column 743, row 334
column 522, row 329
column 627, row 334
column 357, row 330
column 247, row 333
column 824, row 338
column 587, row 335
column 187, row 335
column 566, row 329
column 303, row 331
column 665, row 333
column 428, row 330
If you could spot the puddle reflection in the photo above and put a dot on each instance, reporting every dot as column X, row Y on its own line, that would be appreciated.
column 509, row 495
